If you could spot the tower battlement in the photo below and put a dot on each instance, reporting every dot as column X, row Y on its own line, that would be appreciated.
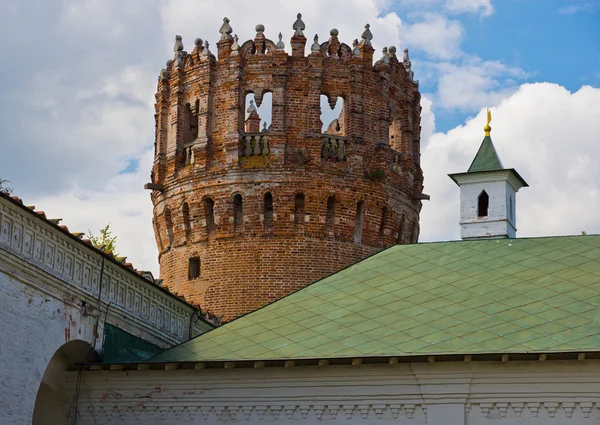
column 244, row 216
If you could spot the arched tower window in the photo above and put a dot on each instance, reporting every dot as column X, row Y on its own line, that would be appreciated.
column 332, row 116
column 330, row 217
column 383, row 223
column 483, row 203
column 258, row 112
column 358, row 221
column 268, row 211
column 169, row 224
column 185, row 210
column 238, row 212
column 209, row 214
column 298, row 209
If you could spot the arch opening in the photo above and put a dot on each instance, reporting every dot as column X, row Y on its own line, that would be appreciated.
column 258, row 114
column 483, row 203
column 268, row 211
column 185, row 211
column 333, row 116
column 169, row 224
column 299, row 209
column 51, row 406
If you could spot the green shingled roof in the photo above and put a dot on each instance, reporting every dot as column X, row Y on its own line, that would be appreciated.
column 467, row 297
column 487, row 158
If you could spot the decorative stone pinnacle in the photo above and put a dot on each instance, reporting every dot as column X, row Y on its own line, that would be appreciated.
column 406, row 59
column 392, row 50
column 169, row 62
column 206, row 52
column 384, row 50
column 355, row 49
column 299, row 26
column 235, row 46
column 178, row 44
column 225, row 30
column 198, row 42
column 251, row 108
column 265, row 127
column 334, row 32
column 367, row 35
column 280, row 45
column 260, row 28
column 316, row 47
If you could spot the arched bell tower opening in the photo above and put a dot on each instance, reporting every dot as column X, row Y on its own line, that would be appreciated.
column 483, row 203
column 52, row 405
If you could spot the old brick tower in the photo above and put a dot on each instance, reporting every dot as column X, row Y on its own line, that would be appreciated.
column 244, row 216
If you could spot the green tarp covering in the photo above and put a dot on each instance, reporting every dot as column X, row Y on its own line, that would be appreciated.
column 122, row 347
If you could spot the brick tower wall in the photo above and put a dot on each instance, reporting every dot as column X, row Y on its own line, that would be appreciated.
column 242, row 219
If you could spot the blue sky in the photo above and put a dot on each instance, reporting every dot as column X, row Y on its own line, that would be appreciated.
column 77, row 94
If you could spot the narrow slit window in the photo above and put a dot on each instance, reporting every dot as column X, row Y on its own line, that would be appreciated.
column 169, row 224
column 358, row 221
column 209, row 213
column 238, row 213
column 268, row 211
column 401, row 229
column 510, row 211
column 194, row 267
column 383, row 223
column 185, row 210
column 299, row 209
column 483, row 203
column 330, row 217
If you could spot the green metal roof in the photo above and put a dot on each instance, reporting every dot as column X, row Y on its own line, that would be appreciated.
column 465, row 297
column 487, row 158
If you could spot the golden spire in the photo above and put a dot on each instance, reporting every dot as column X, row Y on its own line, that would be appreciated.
column 487, row 127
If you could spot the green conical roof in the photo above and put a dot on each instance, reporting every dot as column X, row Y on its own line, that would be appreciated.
column 487, row 158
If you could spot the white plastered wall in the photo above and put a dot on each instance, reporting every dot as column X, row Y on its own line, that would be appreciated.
column 449, row 393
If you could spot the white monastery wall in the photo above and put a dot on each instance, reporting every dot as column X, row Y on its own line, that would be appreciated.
column 450, row 393
column 49, row 288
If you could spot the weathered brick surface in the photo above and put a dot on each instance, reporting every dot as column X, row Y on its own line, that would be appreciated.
column 201, row 154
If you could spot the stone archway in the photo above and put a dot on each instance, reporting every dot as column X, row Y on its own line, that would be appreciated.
column 51, row 406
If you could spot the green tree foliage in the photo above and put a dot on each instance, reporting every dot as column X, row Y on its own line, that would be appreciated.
column 4, row 188
column 105, row 241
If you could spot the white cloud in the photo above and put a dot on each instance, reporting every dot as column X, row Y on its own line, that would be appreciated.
column 481, row 7
column 122, row 202
column 473, row 83
column 436, row 36
column 549, row 136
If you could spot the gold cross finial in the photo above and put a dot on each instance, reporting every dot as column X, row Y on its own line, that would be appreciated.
column 487, row 127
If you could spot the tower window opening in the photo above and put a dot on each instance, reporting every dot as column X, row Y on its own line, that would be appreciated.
column 209, row 214
column 332, row 116
column 299, row 209
column 268, row 211
column 383, row 223
column 238, row 213
column 193, row 267
column 401, row 229
column 330, row 217
column 169, row 224
column 358, row 221
column 258, row 113
column 185, row 210
column 190, row 125
column 482, row 204
column 511, row 209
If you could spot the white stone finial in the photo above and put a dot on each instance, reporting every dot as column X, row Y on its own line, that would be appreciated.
column 198, row 42
column 406, row 59
column 367, row 35
column 178, row 44
column 299, row 25
column 316, row 47
column 392, row 50
column 260, row 28
column 334, row 32
column 206, row 51
column 225, row 30
column 280, row 45
column 251, row 108
column 235, row 47
column 355, row 49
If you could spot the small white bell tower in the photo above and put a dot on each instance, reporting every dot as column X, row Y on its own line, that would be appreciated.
column 488, row 194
